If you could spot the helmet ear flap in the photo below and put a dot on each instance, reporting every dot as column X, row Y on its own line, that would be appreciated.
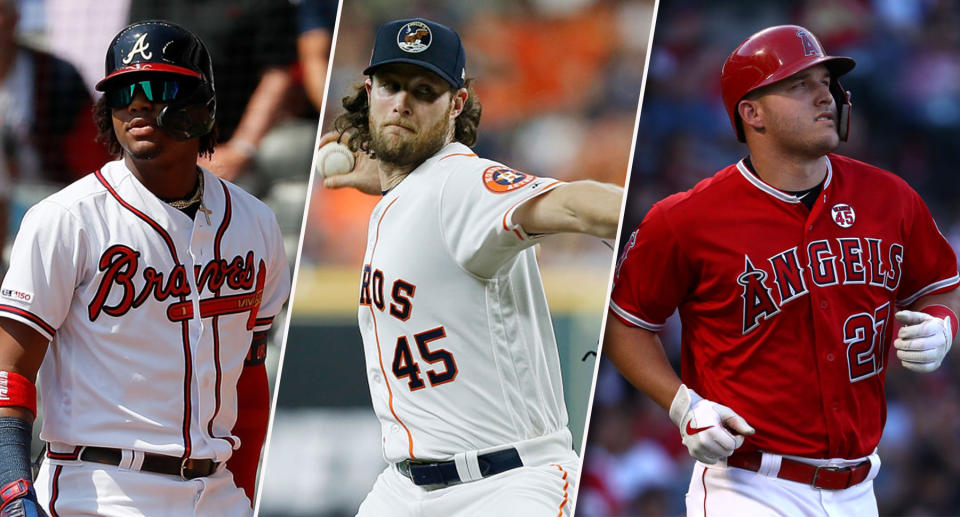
column 190, row 117
column 844, row 109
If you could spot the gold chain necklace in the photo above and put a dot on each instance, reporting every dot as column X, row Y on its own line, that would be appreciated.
column 180, row 204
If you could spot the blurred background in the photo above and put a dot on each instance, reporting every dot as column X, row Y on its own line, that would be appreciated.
column 559, row 81
column 270, row 60
column 906, row 119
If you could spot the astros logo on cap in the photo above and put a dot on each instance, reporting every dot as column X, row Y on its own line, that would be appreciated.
column 414, row 37
column 502, row 179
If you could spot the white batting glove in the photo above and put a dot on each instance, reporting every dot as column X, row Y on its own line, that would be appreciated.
column 923, row 341
column 706, row 426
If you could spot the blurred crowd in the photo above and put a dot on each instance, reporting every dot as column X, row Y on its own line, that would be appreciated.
column 559, row 81
column 270, row 61
column 906, row 119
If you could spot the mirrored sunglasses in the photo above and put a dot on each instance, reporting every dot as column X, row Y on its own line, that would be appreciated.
column 155, row 90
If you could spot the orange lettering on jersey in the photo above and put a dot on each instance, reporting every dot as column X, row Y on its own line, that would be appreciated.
column 365, row 285
column 401, row 294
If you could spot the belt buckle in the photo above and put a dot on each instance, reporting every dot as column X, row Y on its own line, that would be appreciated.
column 404, row 468
column 828, row 468
column 183, row 469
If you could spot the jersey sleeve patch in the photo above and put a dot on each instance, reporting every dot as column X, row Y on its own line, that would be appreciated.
column 16, row 295
column 499, row 179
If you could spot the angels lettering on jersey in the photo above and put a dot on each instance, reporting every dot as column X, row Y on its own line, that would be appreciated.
column 122, row 273
column 769, row 283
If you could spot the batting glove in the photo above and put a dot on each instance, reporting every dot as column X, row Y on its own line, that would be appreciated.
column 710, row 431
column 18, row 499
column 923, row 341
column 22, row 508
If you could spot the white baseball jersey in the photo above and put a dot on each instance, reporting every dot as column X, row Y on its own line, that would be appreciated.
column 459, row 346
column 151, row 314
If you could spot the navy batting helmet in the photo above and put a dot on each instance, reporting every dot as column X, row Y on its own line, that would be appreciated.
column 146, row 49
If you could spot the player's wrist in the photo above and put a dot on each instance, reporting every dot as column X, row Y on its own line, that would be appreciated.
column 944, row 313
column 17, row 489
column 15, row 437
column 683, row 400
column 18, row 391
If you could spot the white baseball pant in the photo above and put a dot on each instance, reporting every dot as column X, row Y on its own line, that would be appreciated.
column 718, row 490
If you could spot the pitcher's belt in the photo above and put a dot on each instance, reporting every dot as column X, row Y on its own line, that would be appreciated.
column 445, row 472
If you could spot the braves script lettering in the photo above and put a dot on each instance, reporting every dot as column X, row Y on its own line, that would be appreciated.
column 120, row 264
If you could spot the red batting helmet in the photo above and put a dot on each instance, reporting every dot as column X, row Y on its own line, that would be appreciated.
column 774, row 54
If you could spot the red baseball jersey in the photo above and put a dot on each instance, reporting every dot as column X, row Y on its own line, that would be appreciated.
column 787, row 313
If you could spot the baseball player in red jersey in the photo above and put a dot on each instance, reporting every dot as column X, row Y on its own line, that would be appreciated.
column 461, row 357
column 787, row 269
column 139, row 297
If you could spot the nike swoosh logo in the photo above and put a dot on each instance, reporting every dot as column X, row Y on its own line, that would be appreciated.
column 695, row 430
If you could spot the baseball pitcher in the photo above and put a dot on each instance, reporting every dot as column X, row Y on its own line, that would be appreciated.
column 461, row 357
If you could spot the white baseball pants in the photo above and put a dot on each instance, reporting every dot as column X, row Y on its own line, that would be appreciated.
column 718, row 490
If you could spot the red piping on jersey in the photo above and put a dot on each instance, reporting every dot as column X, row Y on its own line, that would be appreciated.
column 264, row 321
column 67, row 456
column 518, row 203
column 471, row 155
column 185, row 328
column 55, row 491
column 566, row 485
column 30, row 316
column 217, row 241
column 376, row 335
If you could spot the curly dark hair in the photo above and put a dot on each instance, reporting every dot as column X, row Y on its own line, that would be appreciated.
column 356, row 119
column 103, row 118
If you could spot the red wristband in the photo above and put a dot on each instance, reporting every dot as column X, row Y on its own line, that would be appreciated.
column 942, row 312
column 17, row 390
column 15, row 490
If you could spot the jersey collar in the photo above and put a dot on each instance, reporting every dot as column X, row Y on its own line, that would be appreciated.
column 779, row 194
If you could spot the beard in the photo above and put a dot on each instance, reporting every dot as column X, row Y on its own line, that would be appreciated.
column 404, row 150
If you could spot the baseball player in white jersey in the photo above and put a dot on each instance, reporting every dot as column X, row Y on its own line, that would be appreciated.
column 145, row 289
column 460, row 352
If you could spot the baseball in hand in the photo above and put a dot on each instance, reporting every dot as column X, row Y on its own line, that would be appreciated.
column 333, row 159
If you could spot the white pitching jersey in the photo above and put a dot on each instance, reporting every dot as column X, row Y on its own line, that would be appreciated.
column 151, row 313
column 459, row 345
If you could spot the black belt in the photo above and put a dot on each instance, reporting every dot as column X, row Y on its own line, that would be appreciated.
column 445, row 472
column 157, row 463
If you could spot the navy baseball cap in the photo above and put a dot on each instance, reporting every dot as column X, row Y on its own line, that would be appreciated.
column 423, row 43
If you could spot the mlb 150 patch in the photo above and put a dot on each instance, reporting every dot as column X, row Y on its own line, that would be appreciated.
column 500, row 179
